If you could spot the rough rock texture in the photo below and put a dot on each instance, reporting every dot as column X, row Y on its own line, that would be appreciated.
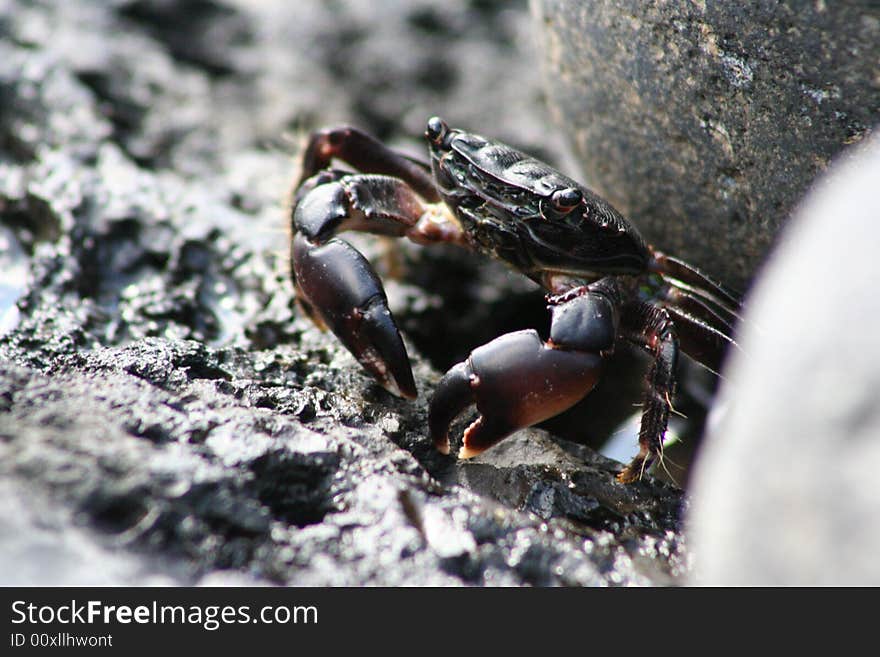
column 706, row 122
column 166, row 414
column 786, row 492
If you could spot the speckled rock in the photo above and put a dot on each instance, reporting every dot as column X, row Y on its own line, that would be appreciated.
column 786, row 491
column 167, row 416
column 706, row 122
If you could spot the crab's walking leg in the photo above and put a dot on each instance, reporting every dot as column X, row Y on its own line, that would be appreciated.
column 335, row 283
column 518, row 380
column 694, row 279
column 652, row 329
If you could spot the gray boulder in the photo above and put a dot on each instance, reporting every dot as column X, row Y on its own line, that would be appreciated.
column 706, row 122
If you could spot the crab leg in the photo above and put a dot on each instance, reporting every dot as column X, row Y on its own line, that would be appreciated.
column 518, row 380
column 367, row 154
column 704, row 332
column 651, row 328
column 335, row 283
column 695, row 306
column 696, row 281
column 706, row 344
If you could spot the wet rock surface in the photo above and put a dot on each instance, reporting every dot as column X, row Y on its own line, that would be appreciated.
column 166, row 414
column 786, row 491
column 706, row 122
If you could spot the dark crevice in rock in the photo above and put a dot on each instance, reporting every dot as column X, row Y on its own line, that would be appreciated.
column 296, row 488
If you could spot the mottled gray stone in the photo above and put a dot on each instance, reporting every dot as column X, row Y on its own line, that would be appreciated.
column 166, row 413
column 786, row 491
column 705, row 122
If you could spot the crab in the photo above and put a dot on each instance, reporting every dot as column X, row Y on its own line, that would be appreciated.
column 605, row 285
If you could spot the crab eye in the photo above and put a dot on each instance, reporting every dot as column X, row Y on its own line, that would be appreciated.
column 436, row 130
column 563, row 200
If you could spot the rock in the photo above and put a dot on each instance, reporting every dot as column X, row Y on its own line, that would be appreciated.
column 705, row 123
column 786, row 491
column 166, row 414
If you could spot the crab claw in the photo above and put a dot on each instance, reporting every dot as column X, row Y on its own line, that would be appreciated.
column 345, row 294
column 515, row 381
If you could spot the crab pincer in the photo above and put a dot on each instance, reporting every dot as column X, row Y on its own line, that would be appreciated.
column 340, row 290
column 345, row 295
column 515, row 381
column 518, row 380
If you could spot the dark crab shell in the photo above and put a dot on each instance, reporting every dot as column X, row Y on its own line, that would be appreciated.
column 503, row 198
